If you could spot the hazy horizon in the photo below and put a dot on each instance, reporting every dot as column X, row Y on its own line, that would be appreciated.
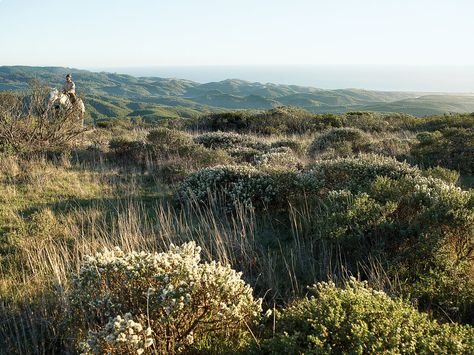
column 449, row 79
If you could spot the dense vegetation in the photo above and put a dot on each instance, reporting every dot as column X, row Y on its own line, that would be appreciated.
column 278, row 231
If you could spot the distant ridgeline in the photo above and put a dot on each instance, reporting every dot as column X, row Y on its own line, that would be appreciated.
column 109, row 95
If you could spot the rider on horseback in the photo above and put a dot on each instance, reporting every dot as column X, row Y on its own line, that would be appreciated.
column 69, row 88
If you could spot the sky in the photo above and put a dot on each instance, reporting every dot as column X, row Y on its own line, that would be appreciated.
column 138, row 33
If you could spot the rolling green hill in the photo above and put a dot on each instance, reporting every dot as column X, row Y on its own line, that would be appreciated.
column 111, row 95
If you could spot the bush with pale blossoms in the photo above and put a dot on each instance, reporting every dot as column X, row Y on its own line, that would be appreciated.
column 244, row 184
column 183, row 301
column 120, row 335
column 266, row 186
column 282, row 157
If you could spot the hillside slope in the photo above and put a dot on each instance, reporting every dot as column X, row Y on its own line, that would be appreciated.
column 111, row 95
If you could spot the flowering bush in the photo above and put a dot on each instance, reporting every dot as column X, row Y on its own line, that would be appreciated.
column 282, row 157
column 359, row 320
column 233, row 184
column 119, row 335
column 166, row 301
column 357, row 173
column 275, row 187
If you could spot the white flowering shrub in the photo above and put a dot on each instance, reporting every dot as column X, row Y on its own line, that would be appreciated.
column 176, row 301
column 119, row 335
column 356, row 319
column 356, row 173
column 282, row 157
column 243, row 155
column 268, row 186
column 244, row 184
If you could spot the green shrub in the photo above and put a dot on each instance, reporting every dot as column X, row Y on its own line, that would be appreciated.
column 171, row 172
column 127, row 151
column 356, row 174
column 449, row 176
column 392, row 147
column 244, row 154
column 170, row 301
column 348, row 217
column 451, row 148
column 296, row 145
column 280, row 120
column 343, row 141
column 356, row 319
column 430, row 242
column 166, row 142
column 228, row 140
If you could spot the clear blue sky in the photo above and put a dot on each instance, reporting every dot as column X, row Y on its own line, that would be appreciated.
column 96, row 33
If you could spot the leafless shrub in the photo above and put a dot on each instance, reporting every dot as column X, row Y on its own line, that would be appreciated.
column 29, row 125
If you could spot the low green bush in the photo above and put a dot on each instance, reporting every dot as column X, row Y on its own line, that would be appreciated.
column 343, row 141
column 356, row 319
column 165, row 142
column 296, row 145
column 127, row 150
column 228, row 140
column 280, row 121
column 451, row 148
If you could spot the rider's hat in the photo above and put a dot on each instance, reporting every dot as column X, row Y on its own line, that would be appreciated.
column 68, row 76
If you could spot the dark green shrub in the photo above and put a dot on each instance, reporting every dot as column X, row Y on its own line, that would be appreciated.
column 280, row 120
column 343, row 141
column 451, row 148
column 392, row 147
column 167, row 142
column 127, row 151
column 356, row 319
column 356, row 174
column 449, row 176
column 164, row 143
column 171, row 172
column 229, row 140
column 296, row 145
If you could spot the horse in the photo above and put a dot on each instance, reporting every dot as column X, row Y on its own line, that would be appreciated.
column 61, row 101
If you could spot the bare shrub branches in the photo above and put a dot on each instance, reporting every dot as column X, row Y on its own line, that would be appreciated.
column 30, row 123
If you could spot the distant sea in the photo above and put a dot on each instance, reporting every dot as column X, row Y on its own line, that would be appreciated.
column 389, row 78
